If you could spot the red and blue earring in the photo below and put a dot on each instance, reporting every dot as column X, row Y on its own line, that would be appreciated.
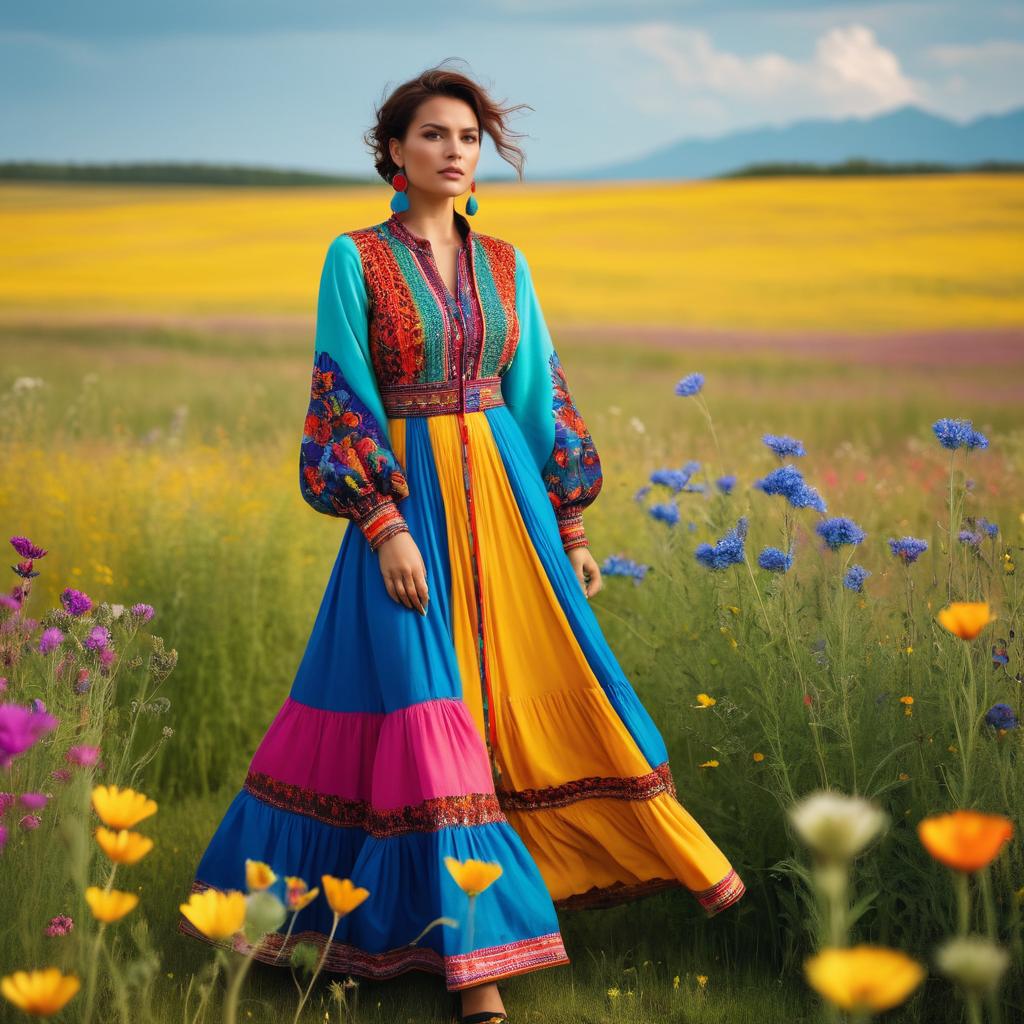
column 400, row 200
column 471, row 204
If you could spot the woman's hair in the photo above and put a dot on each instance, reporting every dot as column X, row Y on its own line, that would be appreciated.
column 395, row 113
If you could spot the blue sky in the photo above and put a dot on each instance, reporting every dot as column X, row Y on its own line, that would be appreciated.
column 294, row 84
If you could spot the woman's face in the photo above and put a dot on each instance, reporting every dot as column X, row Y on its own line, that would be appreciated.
column 442, row 133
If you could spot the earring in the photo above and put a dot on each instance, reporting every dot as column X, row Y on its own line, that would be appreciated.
column 400, row 200
column 471, row 204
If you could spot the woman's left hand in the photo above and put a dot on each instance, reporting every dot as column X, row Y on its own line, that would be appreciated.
column 587, row 570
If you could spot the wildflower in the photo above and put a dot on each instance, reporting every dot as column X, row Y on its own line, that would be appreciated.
column 784, row 446
column 969, row 537
column 3, row 836
column 903, row 777
column 788, row 481
column 36, row 801
column 863, row 978
column 677, row 479
column 110, row 906
column 839, row 531
column 726, row 483
column 98, row 638
column 617, row 565
column 908, row 549
column 50, row 640
column 41, row 993
column 26, row 548
column 24, row 569
column 82, row 681
column 965, row 840
column 122, row 846
column 107, row 655
column 757, row 756
column 1001, row 716
column 708, row 764
column 298, row 892
column 702, row 980
column 807, row 699
column 704, row 701
column 142, row 611
column 675, row 981
column 667, row 511
column 836, row 826
column 966, row 619
column 61, row 774
column 973, row 961
column 258, row 875
column 473, row 876
column 727, row 551
column 60, row 925
column 74, row 601
column 82, row 755
column 20, row 729
column 121, row 808
column 907, row 703
column 690, row 385
column 218, row 915
column 614, row 993
column 999, row 654
column 775, row 560
column 955, row 433
column 30, row 822
column 641, row 493
column 855, row 577
column 988, row 527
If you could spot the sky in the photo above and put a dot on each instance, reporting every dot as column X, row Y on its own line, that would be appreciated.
column 294, row 85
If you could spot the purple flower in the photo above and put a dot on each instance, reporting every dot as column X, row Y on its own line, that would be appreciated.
column 727, row 551
column 61, row 774
column 143, row 611
column 98, row 638
column 51, row 639
column 20, row 729
column 969, row 537
column 1001, row 716
column 37, row 705
column 908, row 548
column 667, row 511
column 34, row 801
column 75, row 601
column 726, row 483
column 690, row 385
column 107, row 655
column 775, row 560
column 783, row 445
column 6, row 800
column 638, row 496
column 59, row 925
column 11, row 600
column 29, row 822
column 26, row 548
column 839, row 531
column 855, row 577
column 24, row 569
column 989, row 527
column 617, row 565
column 956, row 433
column 82, row 755
column 789, row 482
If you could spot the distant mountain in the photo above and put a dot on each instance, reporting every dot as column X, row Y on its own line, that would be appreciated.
column 906, row 135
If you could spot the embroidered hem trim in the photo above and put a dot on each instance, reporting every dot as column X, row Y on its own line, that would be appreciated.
column 714, row 899
column 461, row 970
column 722, row 894
column 445, row 811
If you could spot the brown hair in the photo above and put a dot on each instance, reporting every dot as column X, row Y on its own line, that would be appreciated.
column 395, row 113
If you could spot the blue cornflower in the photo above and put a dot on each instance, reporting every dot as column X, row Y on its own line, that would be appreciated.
column 855, row 577
column 667, row 512
column 728, row 551
column 642, row 493
column 617, row 565
column 678, row 479
column 775, row 560
column 989, row 527
column 690, row 384
column 726, row 483
column 784, row 445
column 956, row 433
column 999, row 654
column 789, row 482
column 969, row 537
column 839, row 531
column 1001, row 716
column 908, row 548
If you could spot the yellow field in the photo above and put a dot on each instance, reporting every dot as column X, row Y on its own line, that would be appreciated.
column 866, row 254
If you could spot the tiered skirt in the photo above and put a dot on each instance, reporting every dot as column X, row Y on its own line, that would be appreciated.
column 499, row 727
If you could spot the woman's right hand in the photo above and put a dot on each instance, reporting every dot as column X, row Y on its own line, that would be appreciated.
column 405, row 575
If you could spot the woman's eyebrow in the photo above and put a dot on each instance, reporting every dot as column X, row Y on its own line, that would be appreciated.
column 434, row 124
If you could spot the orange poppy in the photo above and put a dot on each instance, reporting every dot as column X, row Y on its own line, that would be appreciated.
column 965, row 840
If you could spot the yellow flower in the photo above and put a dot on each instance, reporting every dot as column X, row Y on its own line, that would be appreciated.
column 342, row 894
column 121, row 808
column 903, row 776
column 110, row 906
column 258, row 875
column 966, row 619
column 675, row 981
column 473, row 876
column 965, row 840
column 910, row 650
column 123, row 847
column 708, row 764
column 298, row 892
column 41, row 993
column 613, row 993
column 702, row 980
column 757, row 755
column 864, row 977
column 733, row 609
column 906, row 700
column 952, row 748
column 216, row 914
column 705, row 701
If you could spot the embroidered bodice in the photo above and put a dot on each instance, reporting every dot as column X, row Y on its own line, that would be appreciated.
column 392, row 341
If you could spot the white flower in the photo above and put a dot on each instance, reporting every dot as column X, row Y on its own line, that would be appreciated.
column 837, row 826
column 637, row 424
column 116, row 610
column 973, row 961
column 26, row 384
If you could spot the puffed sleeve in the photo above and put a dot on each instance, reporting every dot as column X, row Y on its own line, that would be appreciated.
column 535, row 390
column 346, row 466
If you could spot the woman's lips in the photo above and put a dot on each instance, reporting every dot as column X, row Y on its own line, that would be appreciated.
column 452, row 174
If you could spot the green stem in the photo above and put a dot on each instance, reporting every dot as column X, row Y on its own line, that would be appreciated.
column 323, row 958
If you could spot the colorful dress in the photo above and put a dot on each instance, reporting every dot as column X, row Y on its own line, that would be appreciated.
column 499, row 726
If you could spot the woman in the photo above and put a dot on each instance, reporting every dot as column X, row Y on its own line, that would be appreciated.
column 457, row 698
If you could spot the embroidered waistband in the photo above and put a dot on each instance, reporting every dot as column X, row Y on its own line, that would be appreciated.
column 436, row 398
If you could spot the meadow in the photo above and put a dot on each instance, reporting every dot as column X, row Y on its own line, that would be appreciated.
column 156, row 353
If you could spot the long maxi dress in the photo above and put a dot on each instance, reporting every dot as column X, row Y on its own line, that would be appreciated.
column 499, row 726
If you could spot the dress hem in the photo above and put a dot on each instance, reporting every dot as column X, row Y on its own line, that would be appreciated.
column 714, row 900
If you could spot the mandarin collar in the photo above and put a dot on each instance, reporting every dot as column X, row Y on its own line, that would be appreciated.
column 416, row 241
